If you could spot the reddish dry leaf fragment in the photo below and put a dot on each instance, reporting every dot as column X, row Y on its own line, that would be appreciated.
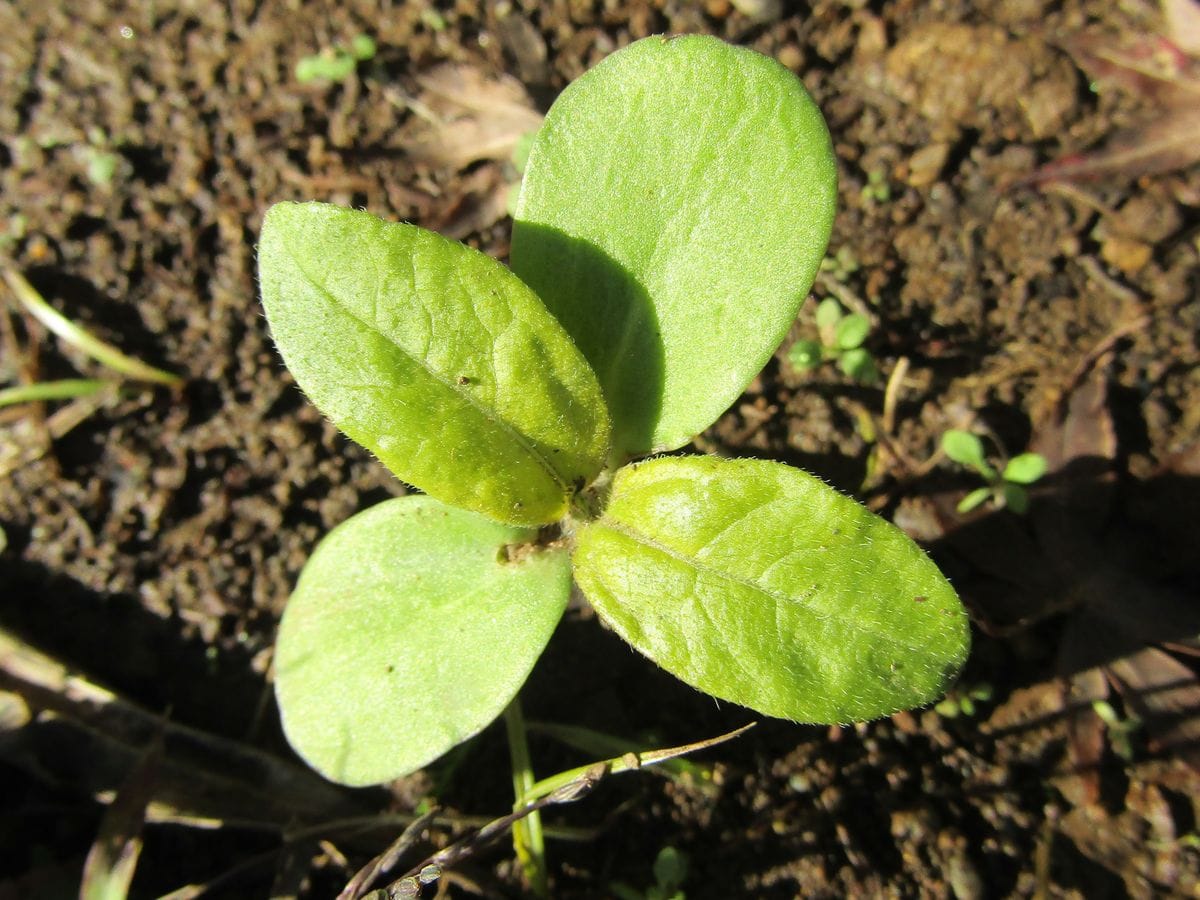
column 1164, row 145
column 1163, row 71
column 1183, row 24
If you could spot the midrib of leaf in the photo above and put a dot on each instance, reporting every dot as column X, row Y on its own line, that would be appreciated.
column 727, row 576
column 692, row 562
column 494, row 415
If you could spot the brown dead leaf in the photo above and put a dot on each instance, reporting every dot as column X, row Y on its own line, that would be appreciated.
column 465, row 115
column 110, row 863
column 1164, row 145
column 480, row 202
column 1165, row 694
column 1163, row 71
column 1183, row 24
column 1085, row 735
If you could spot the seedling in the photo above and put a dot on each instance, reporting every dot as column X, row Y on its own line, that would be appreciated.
column 676, row 205
column 877, row 189
column 336, row 63
column 961, row 701
column 670, row 872
column 1120, row 731
column 1006, row 488
column 841, row 337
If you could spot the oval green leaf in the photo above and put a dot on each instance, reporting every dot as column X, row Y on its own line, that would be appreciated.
column 409, row 631
column 1025, row 468
column 851, row 331
column 675, row 208
column 435, row 358
column 966, row 449
column 759, row 584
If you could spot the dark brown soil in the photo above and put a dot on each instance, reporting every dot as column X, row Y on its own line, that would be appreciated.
column 152, row 546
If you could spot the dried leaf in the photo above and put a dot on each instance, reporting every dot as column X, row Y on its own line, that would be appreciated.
column 1183, row 24
column 1169, row 143
column 111, row 861
column 1148, row 66
column 1165, row 694
column 1163, row 71
column 468, row 115
column 1085, row 732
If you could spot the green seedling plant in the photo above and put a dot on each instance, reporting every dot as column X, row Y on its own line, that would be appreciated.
column 676, row 205
column 1007, row 487
column 670, row 872
column 841, row 337
column 961, row 701
column 336, row 63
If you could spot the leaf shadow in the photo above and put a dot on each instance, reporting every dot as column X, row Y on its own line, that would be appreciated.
column 602, row 306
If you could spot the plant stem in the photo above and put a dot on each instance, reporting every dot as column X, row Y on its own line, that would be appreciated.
column 66, row 389
column 528, row 840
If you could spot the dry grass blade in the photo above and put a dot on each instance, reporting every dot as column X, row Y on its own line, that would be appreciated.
column 205, row 780
column 80, row 338
column 565, row 787
column 110, row 864
column 383, row 862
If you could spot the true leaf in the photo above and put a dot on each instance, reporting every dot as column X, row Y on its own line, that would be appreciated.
column 757, row 583
column 805, row 355
column 1025, row 468
column 676, row 205
column 851, row 331
column 435, row 358
column 1016, row 497
column 859, row 365
column 412, row 627
column 829, row 313
column 966, row 449
column 974, row 499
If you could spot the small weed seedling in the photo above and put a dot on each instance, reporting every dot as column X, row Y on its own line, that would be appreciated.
column 961, row 701
column 1006, row 488
column 841, row 337
column 336, row 63
column 675, row 207
column 670, row 872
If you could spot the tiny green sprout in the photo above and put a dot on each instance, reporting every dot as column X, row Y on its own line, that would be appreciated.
column 961, row 701
column 841, row 338
column 433, row 20
column 101, row 166
column 877, row 188
column 1006, row 488
column 1120, row 731
column 336, row 63
column 670, row 872
column 842, row 264
column 675, row 207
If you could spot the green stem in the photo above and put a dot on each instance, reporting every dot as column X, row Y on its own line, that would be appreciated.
column 528, row 840
column 66, row 389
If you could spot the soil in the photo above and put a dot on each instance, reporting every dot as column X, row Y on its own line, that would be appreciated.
column 152, row 543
